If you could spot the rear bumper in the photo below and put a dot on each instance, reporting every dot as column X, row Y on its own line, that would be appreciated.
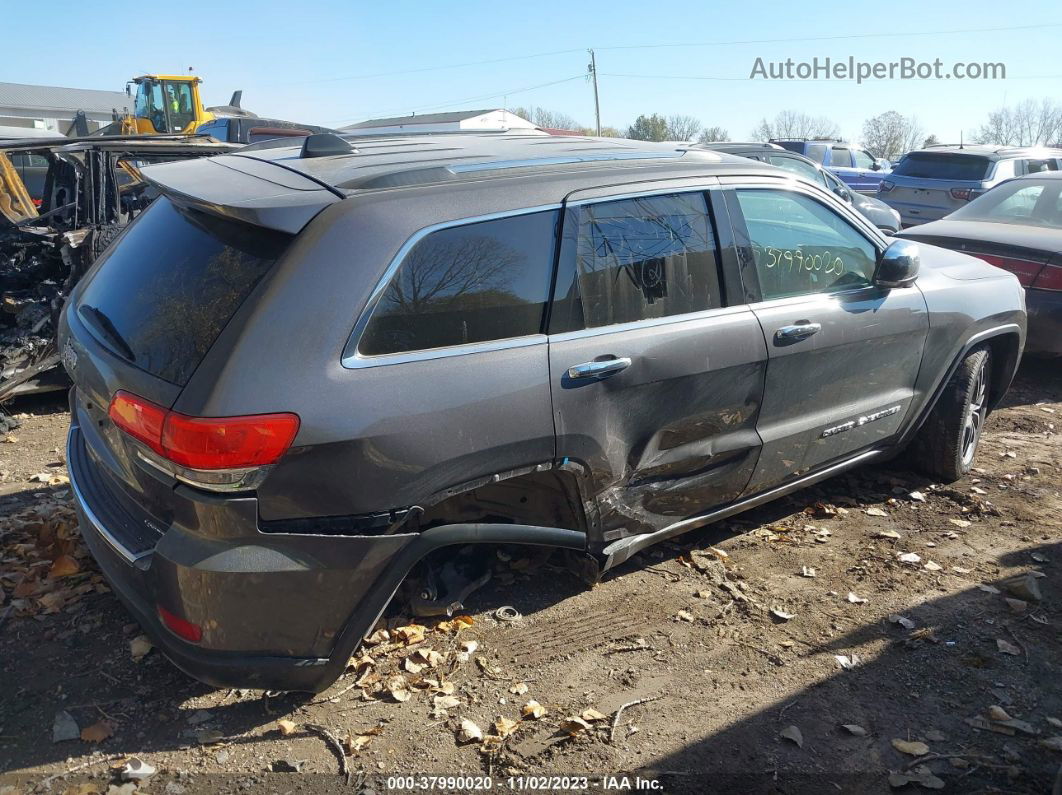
column 1045, row 321
column 272, row 615
column 277, row 611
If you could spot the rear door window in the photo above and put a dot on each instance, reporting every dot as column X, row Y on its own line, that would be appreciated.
column 636, row 259
column 800, row 167
column 840, row 157
column 943, row 165
column 800, row 246
column 163, row 295
column 467, row 284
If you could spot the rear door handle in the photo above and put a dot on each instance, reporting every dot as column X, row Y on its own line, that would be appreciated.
column 798, row 331
column 599, row 369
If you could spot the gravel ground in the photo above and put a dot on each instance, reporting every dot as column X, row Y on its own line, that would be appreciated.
column 789, row 650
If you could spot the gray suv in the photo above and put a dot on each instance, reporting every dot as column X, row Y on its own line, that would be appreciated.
column 305, row 374
column 928, row 184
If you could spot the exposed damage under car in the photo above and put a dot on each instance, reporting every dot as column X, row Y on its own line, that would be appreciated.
column 92, row 189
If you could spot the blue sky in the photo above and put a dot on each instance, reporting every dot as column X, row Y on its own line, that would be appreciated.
column 288, row 56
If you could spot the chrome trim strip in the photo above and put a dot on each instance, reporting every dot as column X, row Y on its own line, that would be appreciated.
column 635, row 325
column 358, row 362
column 632, row 544
column 88, row 513
column 353, row 360
column 558, row 160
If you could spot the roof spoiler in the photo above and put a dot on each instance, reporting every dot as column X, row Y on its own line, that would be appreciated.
column 245, row 188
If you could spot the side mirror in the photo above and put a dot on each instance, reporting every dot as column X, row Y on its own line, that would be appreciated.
column 843, row 192
column 876, row 166
column 898, row 265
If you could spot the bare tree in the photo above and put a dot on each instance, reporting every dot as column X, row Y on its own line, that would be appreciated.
column 931, row 140
column 794, row 124
column 1026, row 124
column 682, row 128
column 712, row 134
column 891, row 134
column 542, row 117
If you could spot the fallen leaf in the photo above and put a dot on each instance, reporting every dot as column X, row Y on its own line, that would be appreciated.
column 847, row 662
column 63, row 566
column 1052, row 743
column 503, row 727
column 996, row 712
column 911, row 747
column 518, row 689
column 97, row 732
column 287, row 727
column 140, row 646
column 781, row 615
column 413, row 667
column 353, row 744
column 988, row 588
column 793, row 734
column 574, row 726
column 917, row 496
column 876, row 512
column 909, row 557
column 399, row 688
column 1007, row 647
column 1016, row 605
column 591, row 714
column 441, row 703
column 854, row 728
column 684, row 615
column 469, row 646
column 960, row 522
column 40, row 477
column 378, row 637
column 469, row 732
column 532, row 709
column 1054, row 722
column 931, row 566
column 887, row 534
column 411, row 634
column 921, row 775
column 856, row 600
column 136, row 769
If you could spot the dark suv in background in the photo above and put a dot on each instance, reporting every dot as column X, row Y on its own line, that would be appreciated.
column 857, row 167
column 304, row 373
column 877, row 212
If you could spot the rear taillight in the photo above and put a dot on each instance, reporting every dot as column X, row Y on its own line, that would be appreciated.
column 1025, row 269
column 212, row 452
column 1050, row 278
column 885, row 186
column 965, row 194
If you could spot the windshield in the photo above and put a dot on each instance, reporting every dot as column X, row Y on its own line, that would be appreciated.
column 1019, row 201
column 149, row 104
column 943, row 165
column 163, row 294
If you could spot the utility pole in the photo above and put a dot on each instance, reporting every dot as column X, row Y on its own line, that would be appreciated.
column 592, row 71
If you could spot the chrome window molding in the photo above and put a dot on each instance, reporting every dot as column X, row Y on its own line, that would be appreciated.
column 352, row 359
column 641, row 194
column 357, row 361
column 635, row 325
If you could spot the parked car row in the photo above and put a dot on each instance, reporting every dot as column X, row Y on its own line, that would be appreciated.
column 855, row 166
column 307, row 372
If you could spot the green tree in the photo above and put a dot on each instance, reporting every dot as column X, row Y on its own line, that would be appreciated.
column 649, row 128
column 713, row 134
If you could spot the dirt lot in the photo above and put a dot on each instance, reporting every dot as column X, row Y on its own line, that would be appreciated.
column 790, row 650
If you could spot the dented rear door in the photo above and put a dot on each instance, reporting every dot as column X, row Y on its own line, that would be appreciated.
column 656, row 381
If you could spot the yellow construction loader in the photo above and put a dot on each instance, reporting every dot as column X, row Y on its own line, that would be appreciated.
column 167, row 104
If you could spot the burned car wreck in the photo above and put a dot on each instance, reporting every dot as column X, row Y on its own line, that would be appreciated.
column 62, row 201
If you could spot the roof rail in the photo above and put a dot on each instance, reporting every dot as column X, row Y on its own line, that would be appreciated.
column 817, row 139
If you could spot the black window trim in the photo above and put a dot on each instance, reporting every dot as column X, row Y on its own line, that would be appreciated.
column 827, row 200
column 353, row 359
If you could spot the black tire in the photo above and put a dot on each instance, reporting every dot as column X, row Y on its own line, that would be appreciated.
column 947, row 444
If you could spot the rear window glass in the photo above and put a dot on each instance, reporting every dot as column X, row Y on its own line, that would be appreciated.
column 163, row 295
column 466, row 284
column 943, row 166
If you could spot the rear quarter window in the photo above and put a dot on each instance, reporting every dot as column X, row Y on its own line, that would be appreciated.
column 467, row 284
column 172, row 283
column 942, row 165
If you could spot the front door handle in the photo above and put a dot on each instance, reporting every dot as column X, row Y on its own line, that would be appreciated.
column 798, row 331
column 599, row 369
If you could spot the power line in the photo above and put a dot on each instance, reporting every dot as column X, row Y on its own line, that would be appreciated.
column 720, row 43
column 816, row 79
column 905, row 34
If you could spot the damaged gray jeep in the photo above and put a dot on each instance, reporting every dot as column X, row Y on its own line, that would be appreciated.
column 303, row 375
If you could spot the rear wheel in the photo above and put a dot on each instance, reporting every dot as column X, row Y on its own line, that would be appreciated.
column 946, row 445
